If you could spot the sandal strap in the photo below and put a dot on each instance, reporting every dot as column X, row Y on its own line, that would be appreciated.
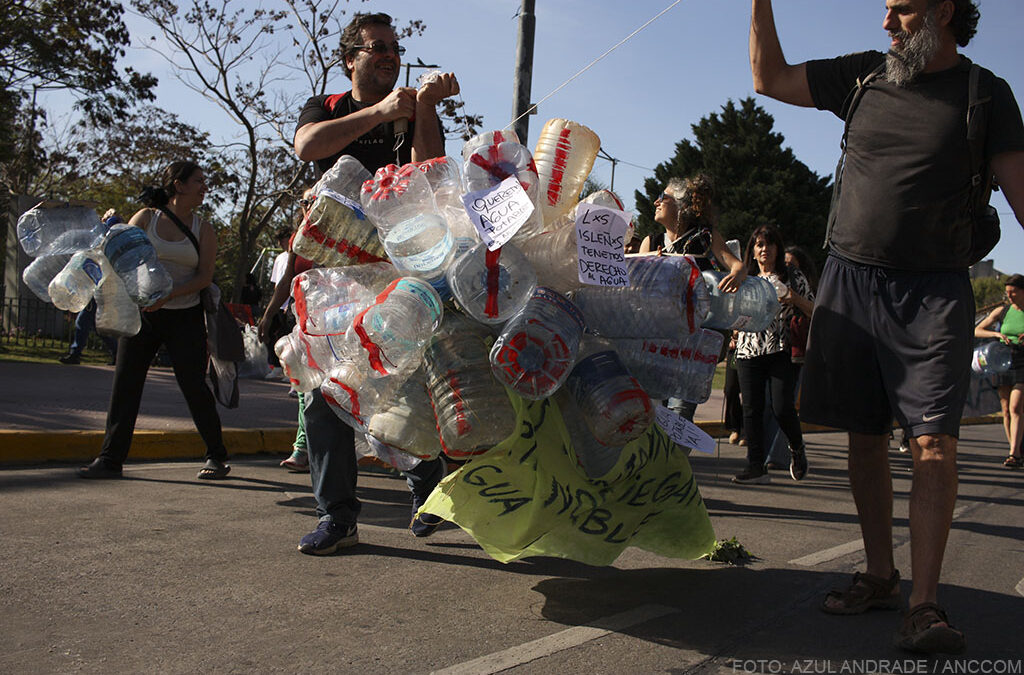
column 925, row 615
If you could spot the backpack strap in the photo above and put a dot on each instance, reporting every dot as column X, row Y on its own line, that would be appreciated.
column 850, row 106
column 977, row 126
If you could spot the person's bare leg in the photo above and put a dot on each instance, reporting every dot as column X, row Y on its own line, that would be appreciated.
column 932, row 498
column 1016, row 407
column 871, row 485
column 1004, row 406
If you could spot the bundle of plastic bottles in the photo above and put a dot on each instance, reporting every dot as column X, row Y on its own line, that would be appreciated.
column 419, row 353
column 77, row 259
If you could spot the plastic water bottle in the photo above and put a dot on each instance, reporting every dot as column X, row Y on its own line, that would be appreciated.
column 592, row 458
column 472, row 409
column 400, row 202
column 666, row 297
column 488, row 138
column 355, row 396
column 43, row 231
column 345, row 178
column 537, row 347
column 488, row 165
column 554, row 253
column 303, row 358
column 390, row 336
column 679, row 368
column 117, row 315
column 614, row 406
column 336, row 233
column 491, row 286
column 41, row 271
column 751, row 308
column 327, row 299
column 991, row 358
column 73, row 288
column 445, row 178
column 368, row 446
column 564, row 156
column 135, row 260
column 407, row 425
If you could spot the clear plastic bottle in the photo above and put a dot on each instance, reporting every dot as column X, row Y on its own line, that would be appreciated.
column 751, row 308
column 592, row 458
column 345, row 178
column 666, row 297
column 473, row 411
column 43, row 270
column 537, row 347
column 614, row 406
column 135, row 260
column 488, row 138
column 328, row 298
column 355, row 396
column 491, row 286
column 117, row 315
column 446, row 181
column 407, row 425
column 564, row 156
column 554, row 253
column 488, row 165
column 991, row 358
column 43, row 231
column 674, row 368
column 337, row 233
column 73, row 288
column 304, row 359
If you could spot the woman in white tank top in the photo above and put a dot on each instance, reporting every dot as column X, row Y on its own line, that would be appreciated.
column 176, row 322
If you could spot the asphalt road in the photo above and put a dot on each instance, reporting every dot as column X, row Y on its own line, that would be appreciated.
column 162, row 573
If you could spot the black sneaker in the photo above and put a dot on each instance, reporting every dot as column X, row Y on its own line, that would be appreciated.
column 754, row 475
column 328, row 537
column 798, row 463
column 70, row 359
column 99, row 469
column 424, row 524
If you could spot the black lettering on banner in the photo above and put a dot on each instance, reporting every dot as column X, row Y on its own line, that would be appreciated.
column 596, row 522
column 666, row 489
column 559, row 490
column 582, row 495
column 647, row 519
column 641, row 492
column 511, row 504
column 472, row 477
column 490, row 490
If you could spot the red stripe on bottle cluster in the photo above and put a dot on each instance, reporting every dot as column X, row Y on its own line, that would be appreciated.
column 558, row 163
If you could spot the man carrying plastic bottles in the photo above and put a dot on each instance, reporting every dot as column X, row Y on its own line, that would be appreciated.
column 371, row 123
column 891, row 331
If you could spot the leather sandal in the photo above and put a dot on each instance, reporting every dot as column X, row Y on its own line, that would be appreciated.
column 1013, row 462
column 866, row 592
column 926, row 629
column 213, row 470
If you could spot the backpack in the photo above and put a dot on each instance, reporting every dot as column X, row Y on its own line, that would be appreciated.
column 983, row 218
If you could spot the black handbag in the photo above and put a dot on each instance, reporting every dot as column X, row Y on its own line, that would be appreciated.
column 223, row 336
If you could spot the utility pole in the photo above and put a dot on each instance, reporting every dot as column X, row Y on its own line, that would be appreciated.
column 523, row 76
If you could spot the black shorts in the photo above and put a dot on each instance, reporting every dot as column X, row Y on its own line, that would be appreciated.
column 1015, row 375
column 888, row 344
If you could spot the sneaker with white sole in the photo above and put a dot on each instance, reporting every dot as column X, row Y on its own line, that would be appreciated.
column 328, row 537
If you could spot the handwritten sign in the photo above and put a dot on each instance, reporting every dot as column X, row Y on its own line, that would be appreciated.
column 498, row 212
column 683, row 431
column 600, row 235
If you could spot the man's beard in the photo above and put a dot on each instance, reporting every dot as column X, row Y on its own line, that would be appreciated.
column 915, row 53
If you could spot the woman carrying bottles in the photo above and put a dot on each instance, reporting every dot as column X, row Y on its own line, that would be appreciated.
column 686, row 212
column 763, row 359
column 1011, row 383
column 176, row 321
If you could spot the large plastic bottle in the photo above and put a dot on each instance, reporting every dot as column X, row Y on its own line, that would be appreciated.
column 327, row 299
column 488, row 165
column 135, row 260
column 592, row 458
column 304, row 358
column 355, row 396
column 336, row 233
column 614, row 406
column 407, row 425
column 554, row 253
column 564, row 156
column 41, row 271
column 445, row 178
column 538, row 346
column 751, row 308
column 43, row 231
column 488, row 138
column 667, row 367
column 991, row 358
column 117, row 315
column 473, row 411
column 400, row 202
column 491, row 286
column 666, row 297
column 73, row 287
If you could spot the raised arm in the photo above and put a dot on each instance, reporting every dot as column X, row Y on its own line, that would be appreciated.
column 772, row 75
column 427, row 142
column 318, row 140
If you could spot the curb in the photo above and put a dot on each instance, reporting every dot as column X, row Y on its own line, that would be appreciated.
column 32, row 447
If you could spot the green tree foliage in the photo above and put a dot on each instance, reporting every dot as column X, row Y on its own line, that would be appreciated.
column 989, row 291
column 60, row 44
column 757, row 179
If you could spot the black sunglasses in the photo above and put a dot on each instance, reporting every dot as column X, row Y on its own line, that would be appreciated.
column 380, row 47
column 664, row 195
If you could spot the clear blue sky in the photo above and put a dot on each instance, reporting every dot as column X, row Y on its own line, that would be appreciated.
column 643, row 97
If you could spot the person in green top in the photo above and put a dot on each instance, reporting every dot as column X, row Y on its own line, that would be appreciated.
column 1011, row 384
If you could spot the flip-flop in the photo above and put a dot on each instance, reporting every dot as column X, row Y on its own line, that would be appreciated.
column 213, row 470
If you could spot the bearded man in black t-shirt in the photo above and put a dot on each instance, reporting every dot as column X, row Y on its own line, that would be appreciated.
column 366, row 123
column 891, row 332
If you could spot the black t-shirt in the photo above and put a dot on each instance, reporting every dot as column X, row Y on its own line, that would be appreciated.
column 904, row 197
column 373, row 149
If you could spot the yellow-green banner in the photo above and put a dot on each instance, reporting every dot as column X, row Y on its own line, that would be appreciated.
column 527, row 497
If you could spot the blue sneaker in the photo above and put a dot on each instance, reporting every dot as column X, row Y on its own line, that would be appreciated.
column 328, row 537
column 424, row 524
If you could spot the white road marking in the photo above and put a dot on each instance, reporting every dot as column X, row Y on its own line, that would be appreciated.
column 560, row 641
column 829, row 554
column 1020, row 587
